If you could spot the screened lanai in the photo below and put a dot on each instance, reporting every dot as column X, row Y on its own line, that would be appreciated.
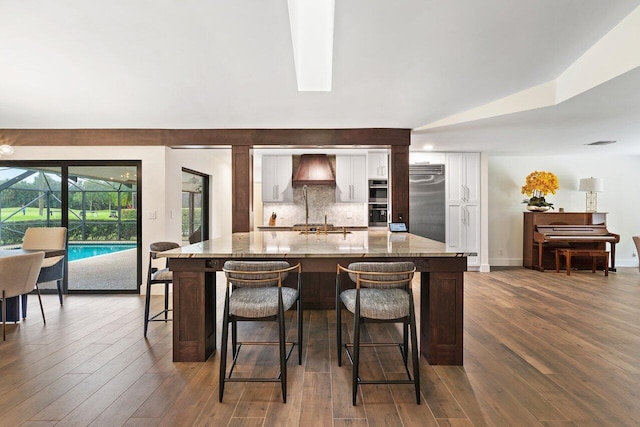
column 99, row 206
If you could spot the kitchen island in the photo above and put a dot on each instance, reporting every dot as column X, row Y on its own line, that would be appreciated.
column 441, row 279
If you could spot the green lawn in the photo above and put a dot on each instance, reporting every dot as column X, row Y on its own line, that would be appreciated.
column 33, row 214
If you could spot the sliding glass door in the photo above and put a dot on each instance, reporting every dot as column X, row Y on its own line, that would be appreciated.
column 29, row 197
column 99, row 205
column 103, row 227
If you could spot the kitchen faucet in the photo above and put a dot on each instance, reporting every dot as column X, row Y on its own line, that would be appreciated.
column 306, row 208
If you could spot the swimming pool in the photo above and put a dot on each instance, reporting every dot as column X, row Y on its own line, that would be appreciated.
column 87, row 250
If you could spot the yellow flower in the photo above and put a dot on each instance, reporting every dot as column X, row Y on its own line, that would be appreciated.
column 540, row 183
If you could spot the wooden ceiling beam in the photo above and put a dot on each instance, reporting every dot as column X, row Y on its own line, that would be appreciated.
column 366, row 137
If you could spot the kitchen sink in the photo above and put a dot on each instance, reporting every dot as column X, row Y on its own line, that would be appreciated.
column 312, row 227
column 321, row 232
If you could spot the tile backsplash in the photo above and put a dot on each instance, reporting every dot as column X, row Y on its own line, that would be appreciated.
column 322, row 201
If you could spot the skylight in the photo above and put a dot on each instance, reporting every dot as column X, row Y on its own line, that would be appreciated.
column 311, row 23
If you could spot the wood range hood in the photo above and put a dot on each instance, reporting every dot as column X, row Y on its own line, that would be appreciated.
column 314, row 169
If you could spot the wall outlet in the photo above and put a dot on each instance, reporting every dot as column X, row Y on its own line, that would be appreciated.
column 349, row 215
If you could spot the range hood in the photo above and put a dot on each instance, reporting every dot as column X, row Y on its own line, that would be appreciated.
column 314, row 169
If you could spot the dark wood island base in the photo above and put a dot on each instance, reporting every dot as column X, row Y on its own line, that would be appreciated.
column 441, row 297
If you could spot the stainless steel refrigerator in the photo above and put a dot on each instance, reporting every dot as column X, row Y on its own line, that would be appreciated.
column 426, row 201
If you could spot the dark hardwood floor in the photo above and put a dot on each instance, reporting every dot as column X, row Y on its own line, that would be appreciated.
column 541, row 349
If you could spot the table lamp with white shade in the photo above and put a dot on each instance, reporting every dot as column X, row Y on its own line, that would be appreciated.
column 592, row 186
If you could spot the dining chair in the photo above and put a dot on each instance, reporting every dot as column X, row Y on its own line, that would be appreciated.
column 18, row 276
column 46, row 238
column 255, row 292
column 155, row 276
column 382, row 294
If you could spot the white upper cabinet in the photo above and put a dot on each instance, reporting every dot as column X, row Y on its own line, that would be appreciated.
column 463, row 177
column 351, row 180
column 377, row 165
column 276, row 179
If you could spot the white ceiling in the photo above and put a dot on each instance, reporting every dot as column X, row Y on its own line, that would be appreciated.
column 229, row 64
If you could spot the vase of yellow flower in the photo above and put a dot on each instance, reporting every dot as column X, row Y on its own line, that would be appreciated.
column 537, row 185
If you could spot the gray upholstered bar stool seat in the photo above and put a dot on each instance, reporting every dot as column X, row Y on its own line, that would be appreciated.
column 382, row 294
column 158, row 276
column 255, row 292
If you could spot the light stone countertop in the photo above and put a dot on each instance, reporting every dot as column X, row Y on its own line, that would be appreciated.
column 299, row 227
column 293, row 244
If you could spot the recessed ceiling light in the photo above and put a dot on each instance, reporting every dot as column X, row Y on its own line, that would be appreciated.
column 602, row 143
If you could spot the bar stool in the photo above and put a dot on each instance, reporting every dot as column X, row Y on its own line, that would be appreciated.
column 157, row 276
column 255, row 292
column 382, row 294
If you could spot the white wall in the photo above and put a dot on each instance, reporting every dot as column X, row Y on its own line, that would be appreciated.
column 161, row 184
column 620, row 198
column 161, row 178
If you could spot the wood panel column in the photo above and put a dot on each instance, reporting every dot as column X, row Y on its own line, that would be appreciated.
column 441, row 316
column 400, row 183
column 242, row 188
column 194, row 312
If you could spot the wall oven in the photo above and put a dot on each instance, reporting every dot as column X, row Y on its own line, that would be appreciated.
column 378, row 191
column 378, row 215
column 378, row 203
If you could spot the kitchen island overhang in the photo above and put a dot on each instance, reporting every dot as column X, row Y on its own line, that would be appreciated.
column 441, row 281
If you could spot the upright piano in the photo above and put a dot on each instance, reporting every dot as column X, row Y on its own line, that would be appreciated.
column 544, row 232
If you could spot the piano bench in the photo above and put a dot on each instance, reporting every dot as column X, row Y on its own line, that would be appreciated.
column 593, row 253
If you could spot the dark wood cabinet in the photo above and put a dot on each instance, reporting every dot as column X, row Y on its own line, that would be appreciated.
column 530, row 247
